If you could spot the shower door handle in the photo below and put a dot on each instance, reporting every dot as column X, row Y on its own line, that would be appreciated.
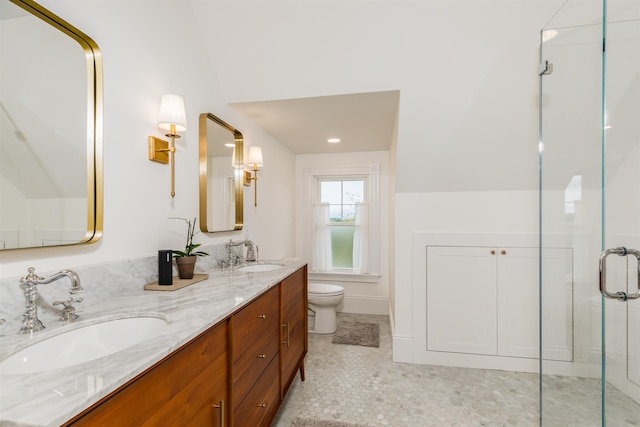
column 620, row 295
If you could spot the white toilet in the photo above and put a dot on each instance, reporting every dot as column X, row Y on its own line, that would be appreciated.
column 323, row 300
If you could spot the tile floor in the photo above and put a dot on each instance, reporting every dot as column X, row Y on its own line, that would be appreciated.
column 362, row 385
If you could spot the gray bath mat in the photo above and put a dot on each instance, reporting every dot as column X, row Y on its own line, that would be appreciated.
column 314, row 422
column 357, row 333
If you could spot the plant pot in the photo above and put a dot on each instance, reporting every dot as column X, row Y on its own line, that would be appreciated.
column 186, row 265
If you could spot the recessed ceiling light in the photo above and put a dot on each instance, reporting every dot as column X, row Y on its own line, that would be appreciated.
column 333, row 140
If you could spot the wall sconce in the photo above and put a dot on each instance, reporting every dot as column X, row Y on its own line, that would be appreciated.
column 173, row 119
column 255, row 161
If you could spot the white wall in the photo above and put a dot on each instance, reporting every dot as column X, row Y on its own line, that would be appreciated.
column 152, row 48
column 359, row 297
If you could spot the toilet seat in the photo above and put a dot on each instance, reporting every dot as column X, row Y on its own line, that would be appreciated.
column 324, row 290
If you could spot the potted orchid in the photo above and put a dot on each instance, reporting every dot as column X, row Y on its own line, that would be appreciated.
column 186, row 260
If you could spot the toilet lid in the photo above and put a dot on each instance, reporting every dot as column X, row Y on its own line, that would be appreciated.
column 325, row 289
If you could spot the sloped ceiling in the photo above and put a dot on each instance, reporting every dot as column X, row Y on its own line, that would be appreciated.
column 464, row 73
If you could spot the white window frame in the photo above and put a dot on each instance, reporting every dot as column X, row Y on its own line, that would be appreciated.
column 371, row 175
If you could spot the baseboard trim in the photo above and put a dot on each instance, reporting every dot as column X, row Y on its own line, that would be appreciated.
column 364, row 305
column 402, row 348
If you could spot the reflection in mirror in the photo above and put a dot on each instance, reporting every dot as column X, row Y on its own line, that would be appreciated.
column 50, row 130
column 221, row 171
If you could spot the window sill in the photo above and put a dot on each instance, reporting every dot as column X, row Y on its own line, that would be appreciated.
column 343, row 277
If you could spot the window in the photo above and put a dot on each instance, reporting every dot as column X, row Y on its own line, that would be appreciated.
column 341, row 217
column 343, row 197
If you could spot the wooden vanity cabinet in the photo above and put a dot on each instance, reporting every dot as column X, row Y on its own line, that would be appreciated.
column 269, row 343
column 255, row 334
column 188, row 388
column 294, row 342
column 235, row 374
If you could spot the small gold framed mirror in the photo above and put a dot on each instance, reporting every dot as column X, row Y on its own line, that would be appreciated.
column 221, row 175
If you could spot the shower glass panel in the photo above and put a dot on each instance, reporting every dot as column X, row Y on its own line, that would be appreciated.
column 589, row 202
column 621, row 189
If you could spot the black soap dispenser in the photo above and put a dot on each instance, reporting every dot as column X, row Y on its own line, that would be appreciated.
column 165, row 268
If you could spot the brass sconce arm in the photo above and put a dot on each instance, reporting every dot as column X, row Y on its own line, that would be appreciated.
column 255, row 185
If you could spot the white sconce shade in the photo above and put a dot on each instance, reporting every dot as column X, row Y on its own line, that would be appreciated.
column 255, row 157
column 172, row 113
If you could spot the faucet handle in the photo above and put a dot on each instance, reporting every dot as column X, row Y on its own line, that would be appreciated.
column 69, row 311
column 31, row 278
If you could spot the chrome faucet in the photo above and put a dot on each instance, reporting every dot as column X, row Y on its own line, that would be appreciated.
column 30, row 322
column 233, row 259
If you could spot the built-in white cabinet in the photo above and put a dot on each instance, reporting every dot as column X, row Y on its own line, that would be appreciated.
column 485, row 301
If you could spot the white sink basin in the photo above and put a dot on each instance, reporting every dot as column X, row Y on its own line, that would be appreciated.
column 82, row 345
column 254, row 268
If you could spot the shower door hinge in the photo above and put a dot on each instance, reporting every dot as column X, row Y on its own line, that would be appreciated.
column 545, row 68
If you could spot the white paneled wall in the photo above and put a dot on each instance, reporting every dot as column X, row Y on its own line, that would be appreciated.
column 463, row 212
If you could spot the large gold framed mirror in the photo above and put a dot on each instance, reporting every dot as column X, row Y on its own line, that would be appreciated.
column 51, row 178
column 221, row 174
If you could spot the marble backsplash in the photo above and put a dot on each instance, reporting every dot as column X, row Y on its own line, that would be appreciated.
column 101, row 282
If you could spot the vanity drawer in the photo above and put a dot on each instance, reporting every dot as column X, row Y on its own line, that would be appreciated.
column 255, row 343
column 249, row 368
column 254, row 323
column 263, row 399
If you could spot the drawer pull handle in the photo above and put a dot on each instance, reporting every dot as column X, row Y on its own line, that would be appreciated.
column 286, row 342
column 503, row 252
column 262, row 356
column 493, row 252
column 262, row 316
column 221, row 406
column 262, row 405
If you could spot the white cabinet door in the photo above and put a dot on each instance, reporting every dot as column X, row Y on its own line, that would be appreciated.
column 518, row 303
column 461, row 299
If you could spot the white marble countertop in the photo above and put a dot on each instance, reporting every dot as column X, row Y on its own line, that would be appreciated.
column 52, row 398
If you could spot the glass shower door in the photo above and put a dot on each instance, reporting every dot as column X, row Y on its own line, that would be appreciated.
column 590, row 202
column 621, row 225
